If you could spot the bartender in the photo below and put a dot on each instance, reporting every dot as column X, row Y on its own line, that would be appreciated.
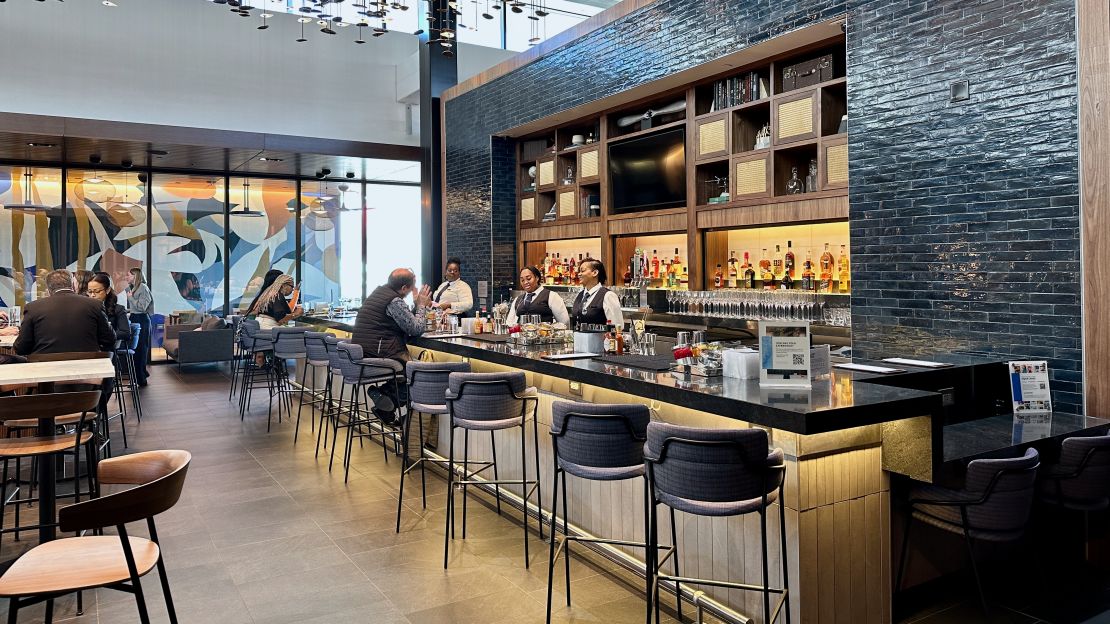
column 537, row 300
column 596, row 304
column 453, row 296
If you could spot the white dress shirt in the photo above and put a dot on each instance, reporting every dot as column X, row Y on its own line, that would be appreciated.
column 457, row 293
column 555, row 302
column 611, row 305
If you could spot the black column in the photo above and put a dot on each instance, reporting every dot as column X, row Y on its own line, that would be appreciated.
column 437, row 73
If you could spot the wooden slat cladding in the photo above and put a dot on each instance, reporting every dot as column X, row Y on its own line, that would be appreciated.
column 817, row 209
column 559, row 232
column 1094, row 152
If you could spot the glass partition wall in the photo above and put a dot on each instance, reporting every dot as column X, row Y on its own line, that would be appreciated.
column 203, row 242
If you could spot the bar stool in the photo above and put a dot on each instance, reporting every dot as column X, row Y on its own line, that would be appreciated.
column 714, row 472
column 288, row 345
column 255, row 342
column 598, row 442
column 427, row 382
column 125, row 369
column 331, row 407
column 994, row 506
column 238, row 351
column 316, row 357
column 360, row 373
column 490, row 402
column 1080, row 482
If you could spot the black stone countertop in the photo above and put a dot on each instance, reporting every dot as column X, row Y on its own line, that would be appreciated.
column 846, row 399
column 1009, row 435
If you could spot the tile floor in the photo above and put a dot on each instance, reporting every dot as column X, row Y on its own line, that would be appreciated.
column 264, row 534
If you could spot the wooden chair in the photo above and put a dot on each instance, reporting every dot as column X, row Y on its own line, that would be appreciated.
column 33, row 407
column 116, row 562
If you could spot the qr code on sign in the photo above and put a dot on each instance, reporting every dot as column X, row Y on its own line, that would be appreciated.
column 799, row 359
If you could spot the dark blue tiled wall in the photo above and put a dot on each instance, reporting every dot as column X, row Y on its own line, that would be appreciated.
column 964, row 217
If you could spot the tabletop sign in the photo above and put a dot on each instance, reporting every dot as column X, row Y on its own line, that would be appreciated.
column 1029, row 386
column 784, row 354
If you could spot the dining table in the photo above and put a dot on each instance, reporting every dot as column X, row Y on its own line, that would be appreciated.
column 46, row 374
column 7, row 343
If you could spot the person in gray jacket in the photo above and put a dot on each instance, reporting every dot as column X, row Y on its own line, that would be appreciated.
column 140, row 303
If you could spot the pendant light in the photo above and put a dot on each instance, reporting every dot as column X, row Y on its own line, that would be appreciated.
column 126, row 205
column 97, row 189
column 28, row 204
column 246, row 211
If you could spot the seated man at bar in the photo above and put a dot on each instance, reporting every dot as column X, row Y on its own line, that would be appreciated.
column 453, row 295
column 537, row 300
column 595, row 304
column 385, row 321
column 64, row 321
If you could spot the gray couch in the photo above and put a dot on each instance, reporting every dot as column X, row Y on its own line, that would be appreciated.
column 213, row 343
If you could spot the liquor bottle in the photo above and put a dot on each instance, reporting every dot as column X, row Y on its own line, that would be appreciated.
column 684, row 281
column 844, row 274
column 557, row 270
column 572, row 271
column 619, row 337
column 654, row 264
column 787, row 282
column 807, row 273
column 777, row 264
column 628, row 274
column 789, row 259
column 732, row 272
column 577, row 278
column 610, row 340
column 677, row 264
column 717, row 277
column 825, row 285
column 548, row 270
column 747, row 272
column 765, row 273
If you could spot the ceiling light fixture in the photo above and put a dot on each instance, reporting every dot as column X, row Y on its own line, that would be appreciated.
column 246, row 211
column 108, row 3
column 28, row 204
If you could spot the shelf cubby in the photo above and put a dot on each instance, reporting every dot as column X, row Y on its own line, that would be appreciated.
column 711, row 180
column 746, row 125
column 834, row 105
column 794, row 158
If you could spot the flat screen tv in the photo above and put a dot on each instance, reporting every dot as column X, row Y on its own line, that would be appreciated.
column 648, row 172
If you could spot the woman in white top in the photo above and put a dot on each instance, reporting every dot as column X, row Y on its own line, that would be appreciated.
column 453, row 295
column 140, row 303
column 537, row 300
column 595, row 304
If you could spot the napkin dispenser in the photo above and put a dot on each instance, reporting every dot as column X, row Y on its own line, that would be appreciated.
column 741, row 363
column 589, row 342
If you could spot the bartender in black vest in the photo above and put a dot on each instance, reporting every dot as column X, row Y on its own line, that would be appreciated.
column 537, row 300
column 596, row 304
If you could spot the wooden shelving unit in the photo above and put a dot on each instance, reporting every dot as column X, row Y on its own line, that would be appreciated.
column 731, row 181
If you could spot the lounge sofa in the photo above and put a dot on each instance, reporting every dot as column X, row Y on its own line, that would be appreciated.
column 193, row 343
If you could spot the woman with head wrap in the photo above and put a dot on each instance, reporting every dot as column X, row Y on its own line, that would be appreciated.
column 271, row 309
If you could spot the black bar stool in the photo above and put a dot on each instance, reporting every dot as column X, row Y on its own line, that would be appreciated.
column 258, row 344
column 994, row 506
column 714, row 472
column 316, row 357
column 238, row 352
column 360, row 373
column 332, row 408
column 490, row 402
column 599, row 442
column 288, row 345
column 427, row 386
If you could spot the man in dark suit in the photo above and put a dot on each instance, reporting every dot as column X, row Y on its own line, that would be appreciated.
column 64, row 322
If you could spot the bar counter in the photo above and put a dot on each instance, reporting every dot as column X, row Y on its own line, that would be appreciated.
column 842, row 440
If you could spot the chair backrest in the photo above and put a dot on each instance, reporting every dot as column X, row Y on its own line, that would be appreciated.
column 61, row 357
column 349, row 355
column 1007, row 488
column 49, row 405
column 428, row 380
column 314, row 345
column 136, row 333
column 711, row 465
column 600, row 435
column 288, row 341
column 486, row 396
column 331, row 343
column 158, row 477
column 1088, row 458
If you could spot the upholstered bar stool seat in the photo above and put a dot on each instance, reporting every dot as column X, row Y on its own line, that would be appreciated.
column 489, row 402
column 316, row 358
column 358, row 374
column 994, row 506
column 427, row 391
column 598, row 442
column 1081, row 479
column 288, row 344
column 714, row 472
